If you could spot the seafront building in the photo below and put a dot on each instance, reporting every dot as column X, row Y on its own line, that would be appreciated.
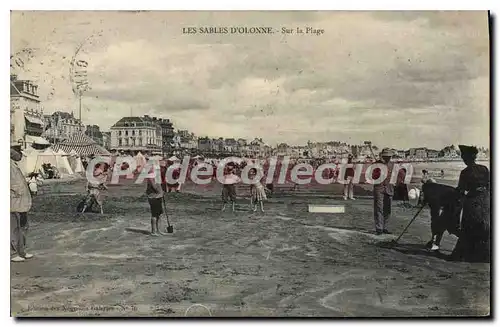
column 137, row 134
column 61, row 125
column 26, row 114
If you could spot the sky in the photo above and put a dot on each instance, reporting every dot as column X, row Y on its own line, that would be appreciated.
column 399, row 79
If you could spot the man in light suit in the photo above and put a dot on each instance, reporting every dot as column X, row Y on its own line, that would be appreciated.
column 20, row 204
column 382, row 194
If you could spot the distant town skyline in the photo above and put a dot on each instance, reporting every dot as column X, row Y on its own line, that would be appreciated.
column 399, row 79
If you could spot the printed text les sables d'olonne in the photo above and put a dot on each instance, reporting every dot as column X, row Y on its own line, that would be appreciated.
column 305, row 30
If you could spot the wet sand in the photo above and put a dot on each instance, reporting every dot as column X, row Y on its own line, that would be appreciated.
column 284, row 262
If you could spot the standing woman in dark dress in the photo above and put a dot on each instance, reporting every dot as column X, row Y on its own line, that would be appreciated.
column 474, row 184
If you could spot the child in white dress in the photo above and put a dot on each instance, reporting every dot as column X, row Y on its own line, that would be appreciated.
column 257, row 192
column 34, row 180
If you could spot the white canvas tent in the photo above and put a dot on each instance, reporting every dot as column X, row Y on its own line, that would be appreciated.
column 33, row 160
column 75, row 162
column 57, row 160
column 140, row 160
column 29, row 161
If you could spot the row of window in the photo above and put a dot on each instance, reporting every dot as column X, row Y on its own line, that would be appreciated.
column 134, row 132
column 135, row 142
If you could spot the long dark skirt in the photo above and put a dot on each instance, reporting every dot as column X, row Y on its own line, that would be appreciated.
column 474, row 242
column 401, row 192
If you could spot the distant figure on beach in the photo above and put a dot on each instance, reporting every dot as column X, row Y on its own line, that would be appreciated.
column 257, row 192
column 426, row 178
column 442, row 173
column 474, row 185
column 155, row 199
column 401, row 189
column 349, row 176
column 382, row 194
column 229, row 187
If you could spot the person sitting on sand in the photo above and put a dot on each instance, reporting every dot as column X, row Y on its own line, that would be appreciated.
column 97, row 185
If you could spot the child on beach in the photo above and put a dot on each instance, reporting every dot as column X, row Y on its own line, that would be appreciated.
column 257, row 192
column 97, row 185
column 34, row 180
column 155, row 194
column 229, row 186
column 349, row 177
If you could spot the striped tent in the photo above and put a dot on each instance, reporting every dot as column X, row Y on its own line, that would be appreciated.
column 81, row 144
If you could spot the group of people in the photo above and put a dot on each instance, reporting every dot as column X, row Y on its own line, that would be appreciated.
column 258, row 189
column 471, row 198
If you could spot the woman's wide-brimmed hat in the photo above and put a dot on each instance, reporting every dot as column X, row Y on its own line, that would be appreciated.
column 468, row 150
column 386, row 153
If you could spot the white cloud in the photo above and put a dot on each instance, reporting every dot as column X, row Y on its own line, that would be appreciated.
column 399, row 79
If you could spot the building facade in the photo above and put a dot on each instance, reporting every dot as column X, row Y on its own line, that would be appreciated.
column 204, row 144
column 137, row 134
column 258, row 148
column 432, row 154
column 94, row 132
column 167, row 132
column 187, row 140
column 106, row 140
column 218, row 145
column 26, row 113
column 61, row 125
column 231, row 145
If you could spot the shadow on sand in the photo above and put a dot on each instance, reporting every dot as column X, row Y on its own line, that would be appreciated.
column 138, row 230
column 412, row 249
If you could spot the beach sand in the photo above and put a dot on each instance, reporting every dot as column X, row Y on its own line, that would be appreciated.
column 285, row 262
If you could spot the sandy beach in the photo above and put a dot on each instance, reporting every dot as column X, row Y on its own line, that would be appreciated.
column 284, row 262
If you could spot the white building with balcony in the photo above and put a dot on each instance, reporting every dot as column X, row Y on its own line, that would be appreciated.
column 61, row 125
column 137, row 134
column 26, row 114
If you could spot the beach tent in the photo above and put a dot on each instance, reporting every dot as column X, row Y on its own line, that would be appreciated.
column 56, row 159
column 140, row 160
column 29, row 161
column 83, row 145
column 75, row 162
column 33, row 160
